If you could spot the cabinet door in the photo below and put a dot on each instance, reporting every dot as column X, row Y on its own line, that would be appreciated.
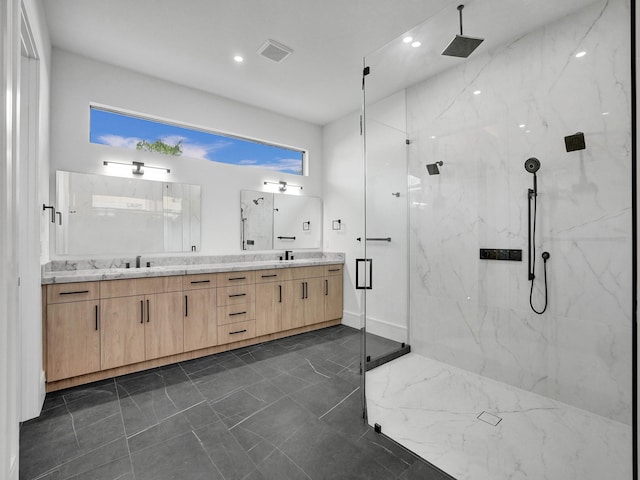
column 164, row 333
column 293, row 296
column 200, row 328
column 333, row 297
column 268, row 308
column 314, row 301
column 122, row 331
column 73, row 339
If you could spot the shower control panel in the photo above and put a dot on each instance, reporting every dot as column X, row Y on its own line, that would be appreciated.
column 500, row 254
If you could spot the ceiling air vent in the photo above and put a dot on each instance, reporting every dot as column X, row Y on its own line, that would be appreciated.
column 274, row 51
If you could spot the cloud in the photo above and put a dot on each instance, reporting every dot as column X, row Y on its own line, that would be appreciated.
column 198, row 150
column 119, row 141
column 288, row 165
column 173, row 139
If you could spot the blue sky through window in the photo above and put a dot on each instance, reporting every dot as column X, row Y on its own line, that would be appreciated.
column 119, row 130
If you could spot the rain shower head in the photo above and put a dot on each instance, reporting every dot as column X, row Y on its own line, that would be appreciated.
column 462, row 46
column 258, row 200
column 433, row 169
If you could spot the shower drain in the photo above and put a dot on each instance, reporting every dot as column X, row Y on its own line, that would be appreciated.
column 489, row 418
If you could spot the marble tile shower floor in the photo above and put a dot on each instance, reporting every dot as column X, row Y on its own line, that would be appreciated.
column 432, row 409
column 287, row 409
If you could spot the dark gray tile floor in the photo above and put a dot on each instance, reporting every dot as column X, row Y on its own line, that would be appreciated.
column 287, row 409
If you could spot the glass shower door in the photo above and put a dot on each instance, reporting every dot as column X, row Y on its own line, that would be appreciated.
column 386, row 225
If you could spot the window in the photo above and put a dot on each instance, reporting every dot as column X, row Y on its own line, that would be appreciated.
column 128, row 131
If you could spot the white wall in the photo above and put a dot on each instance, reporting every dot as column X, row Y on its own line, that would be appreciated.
column 386, row 214
column 344, row 201
column 78, row 82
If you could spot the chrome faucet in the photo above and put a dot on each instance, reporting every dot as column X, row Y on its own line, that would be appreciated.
column 138, row 261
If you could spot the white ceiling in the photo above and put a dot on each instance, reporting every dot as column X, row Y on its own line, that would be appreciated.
column 193, row 42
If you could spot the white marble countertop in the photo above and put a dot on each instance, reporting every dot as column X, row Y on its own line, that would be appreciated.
column 96, row 274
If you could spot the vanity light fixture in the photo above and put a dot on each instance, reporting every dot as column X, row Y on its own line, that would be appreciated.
column 282, row 185
column 137, row 166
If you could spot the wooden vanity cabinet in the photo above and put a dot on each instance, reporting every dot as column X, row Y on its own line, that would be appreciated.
column 200, row 311
column 143, row 326
column 123, row 331
column 94, row 330
column 303, row 298
column 270, row 293
column 73, row 331
column 333, row 292
column 236, row 307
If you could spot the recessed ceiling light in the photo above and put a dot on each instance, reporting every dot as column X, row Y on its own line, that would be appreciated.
column 477, row 92
column 416, row 44
column 581, row 54
column 407, row 39
column 238, row 58
column 522, row 125
column 605, row 113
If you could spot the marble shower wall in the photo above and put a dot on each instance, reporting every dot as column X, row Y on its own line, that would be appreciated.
column 475, row 313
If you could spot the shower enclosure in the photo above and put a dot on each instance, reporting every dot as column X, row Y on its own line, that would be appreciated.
column 492, row 389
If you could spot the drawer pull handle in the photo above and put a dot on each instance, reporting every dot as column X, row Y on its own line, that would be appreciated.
column 334, row 269
column 237, row 295
column 148, row 312
column 239, row 331
column 326, row 287
column 141, row 311
column 237, row 313
column 200, row 281
column 77, row 292
column 279, row 293
column 237, row 278
column 186, row 306
column 269, row 276
column 97, row 317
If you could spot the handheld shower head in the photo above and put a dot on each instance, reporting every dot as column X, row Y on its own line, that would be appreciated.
column 532, row 165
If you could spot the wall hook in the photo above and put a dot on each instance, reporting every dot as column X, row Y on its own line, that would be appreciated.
column 53, row 212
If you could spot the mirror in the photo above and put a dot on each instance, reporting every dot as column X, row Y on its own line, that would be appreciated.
column 115, row 215
column 279, row 221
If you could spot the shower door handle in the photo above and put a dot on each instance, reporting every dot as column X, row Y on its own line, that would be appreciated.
column 364, row 273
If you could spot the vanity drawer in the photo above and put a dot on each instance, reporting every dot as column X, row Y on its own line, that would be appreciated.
column 273, row 275
column 229, row 279
column 333, row 270
column 236, row 295
column 236, row 313
column 196, row 282
column 140, row 286
column 73, row 292
column 236, row 331
column 298, row 273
